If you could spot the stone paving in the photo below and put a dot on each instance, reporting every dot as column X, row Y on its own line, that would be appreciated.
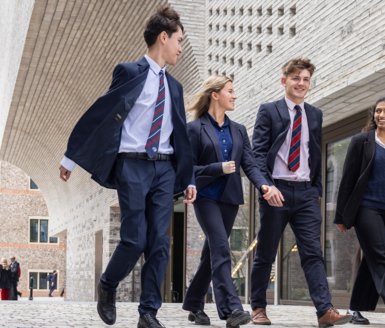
column 56, row 313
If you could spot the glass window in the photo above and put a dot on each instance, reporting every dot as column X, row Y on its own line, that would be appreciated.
column 43, row 231
column 32, row 184
column 43, row 282
column 38, row 231
column 39, row 280
column 294, row 286
column 239, row 242
column 33, row 280
column 34, row 230
column 342, row 251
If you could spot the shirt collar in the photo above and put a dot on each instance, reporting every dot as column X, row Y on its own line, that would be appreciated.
column 154, row 65
column 378, row 140
column 215, row 123
column 291, row 104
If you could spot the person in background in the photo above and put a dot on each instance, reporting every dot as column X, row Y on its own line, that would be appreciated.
column 220, row 148
column 361, row 204
column 287, row 148
column 5, row 280
column 52, row 282
column 15, row 276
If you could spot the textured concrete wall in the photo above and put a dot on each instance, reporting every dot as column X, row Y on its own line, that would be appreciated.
column 14, row 22
column 251, row 40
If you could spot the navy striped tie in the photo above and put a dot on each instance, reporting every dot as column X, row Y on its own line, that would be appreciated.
column 152, row 143
column 295, row 144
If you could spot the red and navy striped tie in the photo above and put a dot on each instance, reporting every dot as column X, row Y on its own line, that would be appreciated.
column 295, row 144
column 152, row 143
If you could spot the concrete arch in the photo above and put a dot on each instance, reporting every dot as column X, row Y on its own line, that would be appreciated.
column 70, row 50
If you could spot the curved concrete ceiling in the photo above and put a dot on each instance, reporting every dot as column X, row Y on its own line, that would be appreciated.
column 70, row 51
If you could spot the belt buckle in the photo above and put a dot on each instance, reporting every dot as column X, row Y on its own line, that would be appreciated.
column 152, row 159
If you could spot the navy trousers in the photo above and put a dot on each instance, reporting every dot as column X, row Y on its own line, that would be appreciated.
column 216, row 220
column 145, row 191
column 370, row 281
column 302, row 211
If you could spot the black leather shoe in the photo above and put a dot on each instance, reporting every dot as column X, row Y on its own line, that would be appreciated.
column 149, row 321
column 106, row 305
column 357, row 318
column 199, row 317
column 237, row 318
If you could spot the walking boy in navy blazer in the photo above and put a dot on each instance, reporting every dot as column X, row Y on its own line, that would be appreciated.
column 134, row 139
column 287, row 147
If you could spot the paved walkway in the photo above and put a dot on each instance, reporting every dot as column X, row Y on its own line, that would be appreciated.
column 56, row 313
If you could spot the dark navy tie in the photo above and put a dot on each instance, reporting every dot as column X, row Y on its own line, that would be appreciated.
column 295, row 144
column 152, row 143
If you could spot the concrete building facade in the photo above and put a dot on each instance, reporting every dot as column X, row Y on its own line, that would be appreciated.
column 24, row 226
column 69, row 52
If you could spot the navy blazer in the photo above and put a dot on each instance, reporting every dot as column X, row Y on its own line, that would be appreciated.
column 207, row 158
column 95, row 140
column 270, row 130
column 357, row 168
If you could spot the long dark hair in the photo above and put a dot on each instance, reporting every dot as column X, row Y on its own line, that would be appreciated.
column 371, row 123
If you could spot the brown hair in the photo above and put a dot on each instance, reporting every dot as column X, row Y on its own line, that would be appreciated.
column 298, row 64
column 165, row 19
column 371, row 123
column 202, row 99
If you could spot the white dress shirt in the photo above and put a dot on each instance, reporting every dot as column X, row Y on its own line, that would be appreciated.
column 281, row 170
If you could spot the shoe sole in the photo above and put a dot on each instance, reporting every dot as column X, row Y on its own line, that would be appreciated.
column 343, row 321
column 359, row 323
column 262, row 323
column 192, row 318
column 242, row 320
column 338, row 322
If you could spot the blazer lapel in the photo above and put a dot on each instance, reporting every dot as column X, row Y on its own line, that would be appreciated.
column 174, row 94
column 311, row 120
column 209, row 130
column 370, row 146
column 283, row 112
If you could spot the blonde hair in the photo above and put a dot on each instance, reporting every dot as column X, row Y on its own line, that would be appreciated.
column 202, row 99
column 4, row 263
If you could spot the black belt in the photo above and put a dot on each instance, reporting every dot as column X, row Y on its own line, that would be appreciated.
column 302, row 184
column 144, row 156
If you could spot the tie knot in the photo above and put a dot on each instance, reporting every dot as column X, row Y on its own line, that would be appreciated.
column 161, row 73
column 297, row 108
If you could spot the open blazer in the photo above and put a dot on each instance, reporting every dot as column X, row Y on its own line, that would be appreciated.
column 270, row 130
column 207, row 158
column 95, row 140
column 355, row 176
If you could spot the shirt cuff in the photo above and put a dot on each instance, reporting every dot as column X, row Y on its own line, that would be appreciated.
column 68, row 164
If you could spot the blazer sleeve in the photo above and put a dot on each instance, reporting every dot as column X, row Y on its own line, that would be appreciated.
column 262, row 140
column 119, row 76
column 211, row 169
column 249, row 164
column 95, row 115
column 350, row 175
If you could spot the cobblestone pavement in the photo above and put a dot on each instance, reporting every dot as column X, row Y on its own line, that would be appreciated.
column 56, row 313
